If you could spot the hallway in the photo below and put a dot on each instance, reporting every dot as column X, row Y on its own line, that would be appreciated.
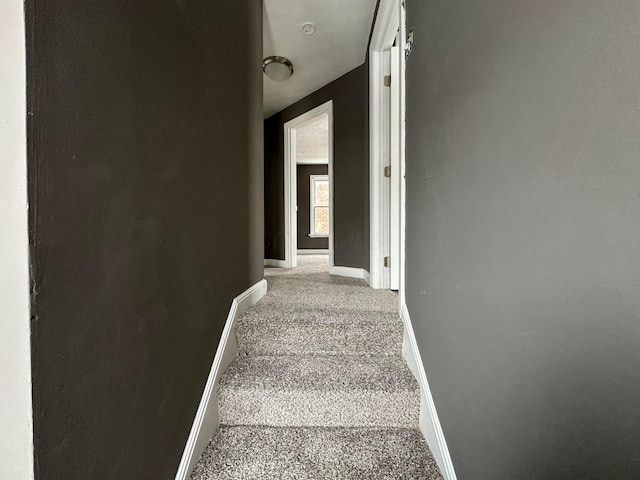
column 320, row 388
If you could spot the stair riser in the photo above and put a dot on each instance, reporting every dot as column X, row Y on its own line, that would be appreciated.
column 319, row 408
column 271, row 314
column 323, row 300
column 323, row 339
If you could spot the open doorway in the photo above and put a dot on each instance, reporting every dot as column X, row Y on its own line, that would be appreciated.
column 308, row 171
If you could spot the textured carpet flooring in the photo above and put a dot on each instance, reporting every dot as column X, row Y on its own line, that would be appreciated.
column 320, row 389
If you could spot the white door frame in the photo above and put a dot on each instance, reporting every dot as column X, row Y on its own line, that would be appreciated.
column 395, row 161
column 16, row 416
column 403, row 150
column 290, row 182
column 388, row 21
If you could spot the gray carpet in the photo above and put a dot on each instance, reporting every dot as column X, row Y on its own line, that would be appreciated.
column 320, row 389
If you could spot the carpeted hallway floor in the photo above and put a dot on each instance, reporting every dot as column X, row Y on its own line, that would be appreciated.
column 320, row 389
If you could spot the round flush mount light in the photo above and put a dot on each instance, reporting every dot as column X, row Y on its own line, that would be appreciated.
column 277, row 68
column 308, row 28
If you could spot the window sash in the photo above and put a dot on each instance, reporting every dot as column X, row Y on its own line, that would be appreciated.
column 317, row 206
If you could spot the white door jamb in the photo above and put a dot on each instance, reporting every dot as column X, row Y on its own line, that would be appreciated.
column 402, row 146
column 396, row 161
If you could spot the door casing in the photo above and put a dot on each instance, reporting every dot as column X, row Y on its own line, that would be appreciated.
column 386, row 195
column 290, row 182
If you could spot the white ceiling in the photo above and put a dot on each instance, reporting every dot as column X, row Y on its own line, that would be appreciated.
column 338, row 46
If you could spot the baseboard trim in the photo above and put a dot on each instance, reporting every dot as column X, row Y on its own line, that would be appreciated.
column 270, row 262
column 313, row 251
column 429, row 422
column 349, row 272
column 207, row 420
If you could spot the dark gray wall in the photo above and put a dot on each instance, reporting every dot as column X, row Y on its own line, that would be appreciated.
column 146, row 197
column 523, row 232
column 350, row 170
column 304, row 204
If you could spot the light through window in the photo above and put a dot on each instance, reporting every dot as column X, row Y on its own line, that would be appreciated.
column 319, row 205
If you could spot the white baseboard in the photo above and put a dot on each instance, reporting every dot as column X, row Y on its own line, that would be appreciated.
column 207, row 419
column 270, row 262
column 313, row 251
column 429, row 422
column 349, row 272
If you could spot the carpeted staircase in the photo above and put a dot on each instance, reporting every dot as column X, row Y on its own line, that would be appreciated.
column 320, row 389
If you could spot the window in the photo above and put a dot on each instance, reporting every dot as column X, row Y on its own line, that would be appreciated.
column 319, row 226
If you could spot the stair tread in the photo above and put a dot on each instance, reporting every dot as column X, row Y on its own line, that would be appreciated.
column 313, row 453
column 312, row 294
column 313, row 373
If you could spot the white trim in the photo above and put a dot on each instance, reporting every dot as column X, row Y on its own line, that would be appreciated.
column 314, row 251
column 386, row 26
column 290, row 176
column 312, row 203
column 16, row 415
column 312, row 161
column 396, row 170
column 349, row 272
column 270, row 262
column 207, row 420
column 384, row 32
column 429, row 421
column 367, row 277
column 403, row 152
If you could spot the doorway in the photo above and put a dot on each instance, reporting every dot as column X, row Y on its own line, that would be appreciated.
column 387, row 64
column 308, row 181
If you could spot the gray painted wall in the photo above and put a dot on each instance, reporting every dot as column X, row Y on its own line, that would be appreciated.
column 523, row 232
column 146, row 220
column 350, row 168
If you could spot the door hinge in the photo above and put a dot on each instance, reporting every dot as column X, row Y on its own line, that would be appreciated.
column 387, row 80
column 409, row 45
column 387, row 262
column 387, row 171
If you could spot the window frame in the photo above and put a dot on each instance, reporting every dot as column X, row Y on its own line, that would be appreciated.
column 312, row 204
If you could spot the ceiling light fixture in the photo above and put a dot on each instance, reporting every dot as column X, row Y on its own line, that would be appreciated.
column 308, row 28
column 277, row 68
